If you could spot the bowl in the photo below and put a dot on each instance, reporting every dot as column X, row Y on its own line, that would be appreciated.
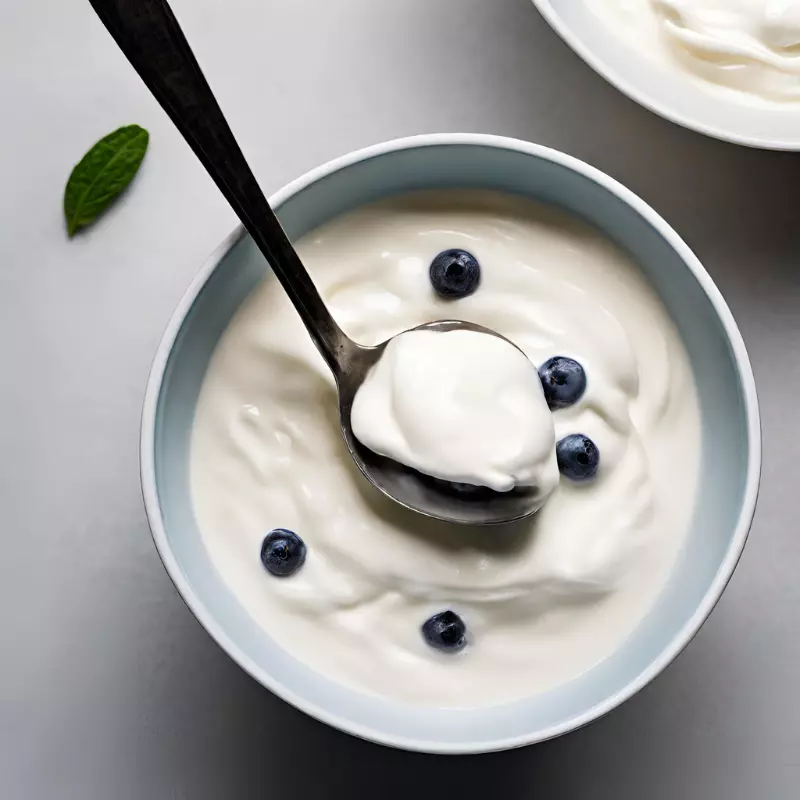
column 729, row 413
column 669, row 93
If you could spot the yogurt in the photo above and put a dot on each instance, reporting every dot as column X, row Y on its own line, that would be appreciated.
column 461, row 406
column 749, row 46
column 543, row 599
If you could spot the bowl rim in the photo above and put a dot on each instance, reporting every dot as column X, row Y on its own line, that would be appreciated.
column 648, row 101
column 673, row 648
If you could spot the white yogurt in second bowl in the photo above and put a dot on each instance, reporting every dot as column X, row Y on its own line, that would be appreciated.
column 543, row 600
column 749, row 46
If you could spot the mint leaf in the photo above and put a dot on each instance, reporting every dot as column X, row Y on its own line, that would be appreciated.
column 101, row 175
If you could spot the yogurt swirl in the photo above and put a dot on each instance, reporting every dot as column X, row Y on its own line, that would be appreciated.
column 751, row 46
column 544, row 599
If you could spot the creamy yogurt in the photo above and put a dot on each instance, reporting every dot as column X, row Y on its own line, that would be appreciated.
column 544, row 599
column 749, row 46
column 461, row 406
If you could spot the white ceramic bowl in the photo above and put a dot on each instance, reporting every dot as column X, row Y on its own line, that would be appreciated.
column 666, row 92
column 731, row 440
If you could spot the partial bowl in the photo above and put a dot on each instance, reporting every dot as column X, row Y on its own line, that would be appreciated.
column 668, row 93
column 731, row 449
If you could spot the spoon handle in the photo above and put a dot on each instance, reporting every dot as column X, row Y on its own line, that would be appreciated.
column 151, row 38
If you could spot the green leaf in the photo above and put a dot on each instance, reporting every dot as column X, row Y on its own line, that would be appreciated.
column 102, row 174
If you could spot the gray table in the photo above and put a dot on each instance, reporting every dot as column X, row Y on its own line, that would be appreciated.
column 109, row 689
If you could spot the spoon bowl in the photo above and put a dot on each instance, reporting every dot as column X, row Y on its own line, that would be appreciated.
column 413, row 490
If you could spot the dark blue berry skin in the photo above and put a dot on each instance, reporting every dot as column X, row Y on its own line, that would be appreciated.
column 578, row 457
column 455, row 274
column 445, row 631
column 563, row 381
column 283, row 552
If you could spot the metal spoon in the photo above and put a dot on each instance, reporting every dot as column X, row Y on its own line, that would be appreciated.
column 149, row 35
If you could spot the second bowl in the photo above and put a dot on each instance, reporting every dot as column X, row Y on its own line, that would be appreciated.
column 670, row 92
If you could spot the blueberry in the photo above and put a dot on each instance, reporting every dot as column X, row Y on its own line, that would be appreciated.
column 563, row 381
column 445, row 631
column 578, row 457
column 455, row 273
column 283, row 552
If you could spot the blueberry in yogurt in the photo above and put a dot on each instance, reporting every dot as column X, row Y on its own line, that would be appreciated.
column 283, row 552
column 563, row 381
column 455, row 273
column 577, row 456
column 445, row 631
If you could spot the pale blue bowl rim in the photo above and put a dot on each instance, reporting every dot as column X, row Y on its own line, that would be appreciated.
column 726, row 568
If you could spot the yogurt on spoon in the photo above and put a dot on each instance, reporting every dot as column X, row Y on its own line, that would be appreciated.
column 461, row 406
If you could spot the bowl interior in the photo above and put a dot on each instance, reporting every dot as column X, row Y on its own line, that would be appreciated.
column 668, row 93
column 730, row 440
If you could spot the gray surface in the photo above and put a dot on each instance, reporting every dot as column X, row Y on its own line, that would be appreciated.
column 108, row 687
